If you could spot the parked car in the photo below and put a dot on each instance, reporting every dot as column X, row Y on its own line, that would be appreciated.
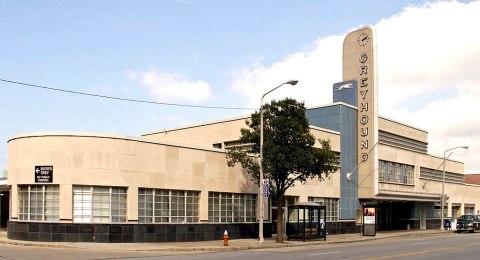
column 470, row 223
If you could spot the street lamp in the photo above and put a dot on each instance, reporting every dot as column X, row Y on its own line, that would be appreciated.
column 260, row 223
column 443, row 182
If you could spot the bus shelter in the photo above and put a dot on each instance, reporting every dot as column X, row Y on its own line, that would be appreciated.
column 306, row 220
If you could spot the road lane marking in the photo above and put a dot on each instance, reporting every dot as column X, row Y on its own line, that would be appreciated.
column 420, row 243
column 419, row 252
column 325, row 253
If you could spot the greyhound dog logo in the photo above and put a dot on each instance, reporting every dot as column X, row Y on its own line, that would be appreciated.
column 344, row 86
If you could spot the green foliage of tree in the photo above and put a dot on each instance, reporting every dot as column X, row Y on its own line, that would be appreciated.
column 289, row 155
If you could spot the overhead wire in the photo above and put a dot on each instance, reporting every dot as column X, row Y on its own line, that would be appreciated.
column 122, row 99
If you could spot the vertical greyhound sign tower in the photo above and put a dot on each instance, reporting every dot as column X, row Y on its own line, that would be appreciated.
column 359, row 64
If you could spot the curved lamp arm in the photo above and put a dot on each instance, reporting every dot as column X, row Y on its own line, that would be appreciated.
column 350, row 174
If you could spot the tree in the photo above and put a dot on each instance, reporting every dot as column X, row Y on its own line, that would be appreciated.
column 289, row 155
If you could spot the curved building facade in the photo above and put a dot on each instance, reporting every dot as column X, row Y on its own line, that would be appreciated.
column 106, row 188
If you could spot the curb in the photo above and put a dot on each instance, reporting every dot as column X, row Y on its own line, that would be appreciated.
column 167, row 248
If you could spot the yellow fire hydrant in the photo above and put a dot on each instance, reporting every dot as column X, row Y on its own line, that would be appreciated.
column 225, row 238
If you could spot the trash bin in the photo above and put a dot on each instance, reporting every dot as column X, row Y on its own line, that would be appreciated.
column 447, row 224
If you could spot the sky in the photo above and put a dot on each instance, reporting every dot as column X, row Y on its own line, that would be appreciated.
column 226, row 54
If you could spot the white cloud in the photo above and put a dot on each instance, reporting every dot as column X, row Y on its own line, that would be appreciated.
column 428, row 48
column 428, row 74
column 169, row 87
column 316, row 69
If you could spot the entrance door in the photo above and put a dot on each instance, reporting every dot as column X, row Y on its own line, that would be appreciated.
column 423, row 219
column 455, row 215
column 274, row 220
column 4, row 208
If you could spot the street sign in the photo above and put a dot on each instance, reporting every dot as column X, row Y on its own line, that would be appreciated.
column 43, row 174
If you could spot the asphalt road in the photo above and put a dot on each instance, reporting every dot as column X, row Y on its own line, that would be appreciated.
column 444, row 246
column 441, row 246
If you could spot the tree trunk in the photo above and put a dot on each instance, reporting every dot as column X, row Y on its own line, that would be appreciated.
column 280, row 220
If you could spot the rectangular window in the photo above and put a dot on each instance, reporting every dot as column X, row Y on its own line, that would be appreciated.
column 231, row 207
column 396, row 173
column 437, row 210
column 470, row 209
column 331, row 206
column 119, row 204
column 92, row 204
column 38, row 202
column 168, row 206
column 192, row 205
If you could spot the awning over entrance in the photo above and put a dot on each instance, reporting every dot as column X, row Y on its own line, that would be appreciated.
column 407, row 196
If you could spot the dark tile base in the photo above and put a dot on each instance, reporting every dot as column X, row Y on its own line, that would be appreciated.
column 130, row 233
column 344, row 227
column 141, row 233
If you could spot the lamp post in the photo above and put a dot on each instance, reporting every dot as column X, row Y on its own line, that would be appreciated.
column 260, row 194
column 443, row 183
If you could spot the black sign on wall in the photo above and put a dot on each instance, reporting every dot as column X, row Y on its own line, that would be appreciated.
column 43, row 174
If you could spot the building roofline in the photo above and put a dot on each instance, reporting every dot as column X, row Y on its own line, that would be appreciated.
column 333, row 104
column 324, row 129
column 447, row 159
column 112, row 136
column 404, row 124
column 240, row 118
column 197, row 125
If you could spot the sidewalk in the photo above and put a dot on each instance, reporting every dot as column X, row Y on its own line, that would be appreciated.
column 216, row 245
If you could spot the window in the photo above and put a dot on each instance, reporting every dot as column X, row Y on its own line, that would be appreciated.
column 470, row 209
column 231, row 207
column 168, row 206
column 395, row 173
column 231, row 145
column 331, row 206
column 437, row 210
column 99, row 204
column 38, row 202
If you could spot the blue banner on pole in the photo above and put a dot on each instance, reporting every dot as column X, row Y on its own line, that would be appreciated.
column 266, row 188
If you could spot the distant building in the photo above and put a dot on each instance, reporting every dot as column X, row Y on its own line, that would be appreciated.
column 472, row 179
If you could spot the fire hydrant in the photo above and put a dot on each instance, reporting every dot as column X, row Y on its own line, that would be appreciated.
column 225, row 238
